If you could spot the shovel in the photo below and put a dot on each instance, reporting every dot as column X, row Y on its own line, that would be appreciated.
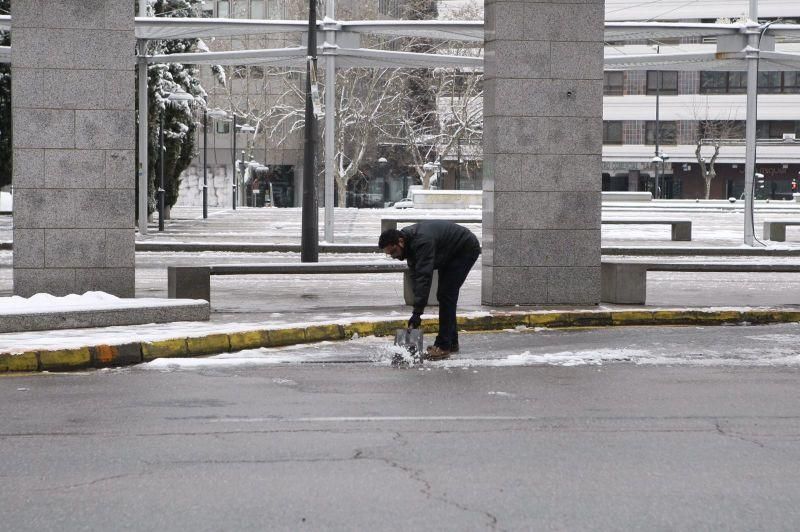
column 410, row 340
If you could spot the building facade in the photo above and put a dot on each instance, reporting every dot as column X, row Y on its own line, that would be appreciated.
column 668, row 115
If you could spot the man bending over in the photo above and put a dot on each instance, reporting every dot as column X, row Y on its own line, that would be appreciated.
column 435, row 245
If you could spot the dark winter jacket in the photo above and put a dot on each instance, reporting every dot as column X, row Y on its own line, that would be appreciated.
column 429, row 246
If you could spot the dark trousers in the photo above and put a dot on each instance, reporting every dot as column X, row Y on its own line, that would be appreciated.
column 451, row 276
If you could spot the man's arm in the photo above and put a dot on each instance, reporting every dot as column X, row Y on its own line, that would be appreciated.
column 422, row 272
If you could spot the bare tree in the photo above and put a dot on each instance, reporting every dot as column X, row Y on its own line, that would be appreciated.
column 713, row 134
column 457, row 116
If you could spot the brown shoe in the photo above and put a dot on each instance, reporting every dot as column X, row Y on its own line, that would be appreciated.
column 435, row 352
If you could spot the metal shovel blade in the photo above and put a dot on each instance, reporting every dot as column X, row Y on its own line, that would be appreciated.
column 411, row 341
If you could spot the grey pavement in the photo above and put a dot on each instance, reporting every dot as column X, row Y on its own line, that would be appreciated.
column 362, row 446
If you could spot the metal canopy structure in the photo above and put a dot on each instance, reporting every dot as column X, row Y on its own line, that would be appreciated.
column 743, row 46
column 337, row 48
column 188, row 28
column 296, row 56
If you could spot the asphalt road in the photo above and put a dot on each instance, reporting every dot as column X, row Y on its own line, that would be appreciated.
column 673, row 445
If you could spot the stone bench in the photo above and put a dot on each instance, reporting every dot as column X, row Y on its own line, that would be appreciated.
column 776, row 229
column 625, row 282
column 681, row 229
column 194, row 282
column 391, row 222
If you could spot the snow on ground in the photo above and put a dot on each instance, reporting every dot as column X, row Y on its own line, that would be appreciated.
column 774, row 345
column 89, row 301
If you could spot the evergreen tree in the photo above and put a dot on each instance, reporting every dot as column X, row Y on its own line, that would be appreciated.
column 180, row 120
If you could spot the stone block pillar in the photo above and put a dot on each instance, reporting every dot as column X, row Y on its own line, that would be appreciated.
column 73, row 138
column 543, row 133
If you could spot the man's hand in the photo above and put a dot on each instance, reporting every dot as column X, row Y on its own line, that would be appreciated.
column 415, row 321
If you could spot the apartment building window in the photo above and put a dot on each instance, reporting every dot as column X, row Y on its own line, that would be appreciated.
column 223, row 9
column 791, row 82
column 613, row 83
column 736, row 82
column 664, row 83
column 668, row 133
column 770, row 82
column 775, row 129
column 257, row 9
column 612, row 132
column 723, row 82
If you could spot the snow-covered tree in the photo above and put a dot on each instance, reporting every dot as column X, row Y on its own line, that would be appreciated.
column 179, row 117
column 457, row 116
column 377, row 106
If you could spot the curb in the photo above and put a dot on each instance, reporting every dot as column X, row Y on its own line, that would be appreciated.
column 104, row 356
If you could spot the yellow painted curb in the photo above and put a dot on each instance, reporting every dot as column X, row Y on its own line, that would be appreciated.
column 591, row 319
column 279, row 337
column 550, row 319
column 26, row 361
column 770, row 316
column 208, row 345
column 318, row 333
column 494, row 322
column 248, row 340
column 164, row 349
column 360, row 328
column 65, row 359
column 388, row 328
column 632, row 317
column 711, row 318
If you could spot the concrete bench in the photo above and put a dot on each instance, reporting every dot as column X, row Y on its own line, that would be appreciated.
column 391, row 222
column 194, row 282
column 625, row 282
column 681, row 229
column 776, row 229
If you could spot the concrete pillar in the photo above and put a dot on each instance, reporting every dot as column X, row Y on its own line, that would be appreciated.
column 73, row 138
column 543, row 135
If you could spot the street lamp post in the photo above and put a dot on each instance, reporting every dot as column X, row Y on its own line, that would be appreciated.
column 458, row 164
column 214, row 114
column 233, row 161
column 205, row 163
column 160, row 190
column 244, row 128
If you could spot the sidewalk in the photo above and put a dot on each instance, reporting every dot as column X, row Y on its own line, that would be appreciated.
column 285, row 309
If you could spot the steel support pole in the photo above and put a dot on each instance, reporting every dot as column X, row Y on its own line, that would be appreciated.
column 161, row 191
column 233, row 162
column 205, row 163
column 330, row 121
column 659, row 77
column 142, row 165
column 751, row 55
column 309, row 238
